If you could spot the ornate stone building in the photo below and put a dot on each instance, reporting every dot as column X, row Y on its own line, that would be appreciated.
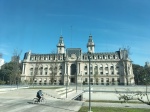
column 71, row 66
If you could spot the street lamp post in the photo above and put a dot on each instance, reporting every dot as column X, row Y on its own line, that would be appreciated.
column 67, row 81
column 81, row 80
column 76, row 76
column 76, row 82
column 89, row 57
column 67, row 86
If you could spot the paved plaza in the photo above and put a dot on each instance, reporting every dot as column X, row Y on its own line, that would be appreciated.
column 20, row 100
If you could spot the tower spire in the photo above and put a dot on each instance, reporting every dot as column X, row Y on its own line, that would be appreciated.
column 90, row 44
column 61, row 46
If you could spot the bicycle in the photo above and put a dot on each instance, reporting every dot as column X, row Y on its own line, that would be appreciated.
column 36, row 100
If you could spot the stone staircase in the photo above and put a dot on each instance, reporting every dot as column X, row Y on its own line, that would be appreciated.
column 61, row 93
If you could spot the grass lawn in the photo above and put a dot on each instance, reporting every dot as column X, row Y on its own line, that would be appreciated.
column 110, row 109
column 111, row 101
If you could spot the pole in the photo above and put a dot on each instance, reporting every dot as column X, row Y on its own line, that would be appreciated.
column 76, row 75
column 76, row 82
column 67, row 82
column 81, row 80
column 89, row 83
column 66, row 88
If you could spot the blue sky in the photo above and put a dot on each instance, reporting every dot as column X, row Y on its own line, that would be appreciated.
column 36, row 25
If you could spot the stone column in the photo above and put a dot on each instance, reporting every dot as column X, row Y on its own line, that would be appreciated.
column 87, row 69
column 93, row 72
column 114, row 68
column 104, row 81
column 79, row 68
column 68, row 72
column 98, row 70
column 109, row 69
column 116, row 81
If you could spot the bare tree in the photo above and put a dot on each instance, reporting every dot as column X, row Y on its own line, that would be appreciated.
column 54, row 66
column 16, row 71
column 54, row 70
column 34, row 72
column 136, row 95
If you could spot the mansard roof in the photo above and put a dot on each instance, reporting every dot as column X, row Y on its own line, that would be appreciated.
column 103, row 53
column 76, row 51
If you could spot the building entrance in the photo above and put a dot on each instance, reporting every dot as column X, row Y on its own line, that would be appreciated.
column 73, row 73
column 72, row 80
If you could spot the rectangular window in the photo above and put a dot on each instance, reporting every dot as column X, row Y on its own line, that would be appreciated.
column 111, row 67
column 102, row 81
column 85, row 79
column 106, row 68
column 91, row 80
column 91, row 48
column 101, row 68
column 113, row 81
column 31, row 58
column 85, row 68
column 106, row 72
column 118, row 80
column 60, row 67
column 107, row 81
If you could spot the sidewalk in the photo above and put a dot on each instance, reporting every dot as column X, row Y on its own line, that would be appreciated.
column 4, row 90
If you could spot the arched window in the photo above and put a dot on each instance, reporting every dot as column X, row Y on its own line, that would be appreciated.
column 96, row 70
column 106, row 66
column 101, row 67
column 73, row 69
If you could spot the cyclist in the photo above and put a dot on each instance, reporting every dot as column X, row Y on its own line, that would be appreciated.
column 39, row 95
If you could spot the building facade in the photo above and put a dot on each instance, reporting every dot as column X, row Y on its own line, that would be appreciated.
column 72, row 66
